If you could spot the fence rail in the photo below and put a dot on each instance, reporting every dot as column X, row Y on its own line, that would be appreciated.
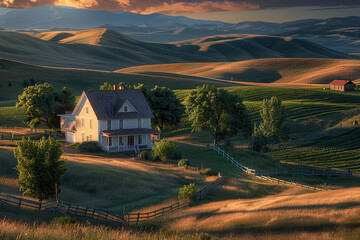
column 260, row 174
column 65, row 208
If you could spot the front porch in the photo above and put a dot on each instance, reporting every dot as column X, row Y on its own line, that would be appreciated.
column 117, row 141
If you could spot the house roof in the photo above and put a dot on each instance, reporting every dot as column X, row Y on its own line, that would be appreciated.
column 340, row 82
column 106, row 104
column 129, row 131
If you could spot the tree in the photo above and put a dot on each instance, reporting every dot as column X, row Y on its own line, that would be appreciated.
column 42, row 104
column 222, row 113
column 108, row 86
column 188, row 192
column 163, row 149
column 39, row 167
column 271, row 129
column 166, row 108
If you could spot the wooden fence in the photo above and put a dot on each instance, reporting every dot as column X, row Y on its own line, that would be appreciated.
column 258, row 174
column 25, row 203
column 66, row 208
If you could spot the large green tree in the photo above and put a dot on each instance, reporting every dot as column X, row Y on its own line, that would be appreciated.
column 166, row 108
column 217, row 110
column 42, row 104
column 271, row 129
column 39, row 167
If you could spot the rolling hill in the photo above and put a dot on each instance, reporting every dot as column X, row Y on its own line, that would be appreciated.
column 13, row 74
column 103, row 49
column 280, row 71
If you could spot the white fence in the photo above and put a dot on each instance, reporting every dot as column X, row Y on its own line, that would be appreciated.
column 253, row 172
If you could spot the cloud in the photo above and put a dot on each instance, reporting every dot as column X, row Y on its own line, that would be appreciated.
column 7, row 3
column 198, row 7
column 77, row 3
column 123, row 2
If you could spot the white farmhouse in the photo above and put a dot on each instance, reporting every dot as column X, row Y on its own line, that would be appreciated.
column 119, row 120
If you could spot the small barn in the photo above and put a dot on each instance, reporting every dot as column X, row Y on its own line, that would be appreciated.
column 342, row 85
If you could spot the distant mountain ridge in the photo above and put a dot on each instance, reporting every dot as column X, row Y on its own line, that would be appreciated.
column 341, row 34
column 47, row 17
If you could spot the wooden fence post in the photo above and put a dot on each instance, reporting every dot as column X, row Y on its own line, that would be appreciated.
column 20, row 202
column 138, row 217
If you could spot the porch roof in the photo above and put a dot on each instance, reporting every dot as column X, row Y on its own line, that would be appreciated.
column 129, row 131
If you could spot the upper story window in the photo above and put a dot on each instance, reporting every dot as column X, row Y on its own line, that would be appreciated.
column 125, row 108
column 83, row 122
column 87, row 109
column 91, row 123
column 139, row 123
column 109, row 124
column 121, row 124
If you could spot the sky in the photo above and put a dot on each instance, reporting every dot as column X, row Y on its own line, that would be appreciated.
column 223, row 10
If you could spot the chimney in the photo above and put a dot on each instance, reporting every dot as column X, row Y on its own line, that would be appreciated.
column 116, row 87
column 121, row 88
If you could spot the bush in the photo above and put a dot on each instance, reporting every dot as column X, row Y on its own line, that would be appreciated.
column 183, row 162
column 176, row 156
column 145, row 155
column 88, row 147
column 74, row 145
column 188, row 192
column 66, row 220
column 209, row 172
column 163, row 149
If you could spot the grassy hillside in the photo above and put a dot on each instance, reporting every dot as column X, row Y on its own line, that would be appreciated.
column 236, row 47
column 16, row 73
column 283, row 70
column 104, row 49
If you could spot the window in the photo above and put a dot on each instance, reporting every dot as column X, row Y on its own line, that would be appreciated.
column 87, row 138
column 139, row 139
column 139, row 122
column 90, row 137
column 121, row 124
column 87, row 109
column 109, row 124
column 82, row 136
column 125, row 108
column 109, row 141
column 82, row 122
column 90, row 123
column 121, row 141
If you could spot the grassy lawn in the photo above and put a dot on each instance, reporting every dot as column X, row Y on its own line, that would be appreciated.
column 11, row 116
column 114, row 186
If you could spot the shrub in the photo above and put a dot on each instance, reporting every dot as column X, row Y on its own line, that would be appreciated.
column 145, row 155
column 65, row 220
column 88, row 147
column 183, row 162
column 188, row 192
column 74, row 145
column 163, row 149
column 209, row 172
column 176, row 156
column 204, row 236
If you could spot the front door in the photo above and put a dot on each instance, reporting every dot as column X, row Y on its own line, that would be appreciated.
column 131, row 140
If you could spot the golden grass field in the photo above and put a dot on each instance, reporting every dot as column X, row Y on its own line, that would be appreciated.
column 271, row 72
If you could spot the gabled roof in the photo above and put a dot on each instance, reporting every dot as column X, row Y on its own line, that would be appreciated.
column 340, row 82
column 106, row 104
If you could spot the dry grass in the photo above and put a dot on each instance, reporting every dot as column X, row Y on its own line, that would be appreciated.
column 265, row 72
column 315, row 215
